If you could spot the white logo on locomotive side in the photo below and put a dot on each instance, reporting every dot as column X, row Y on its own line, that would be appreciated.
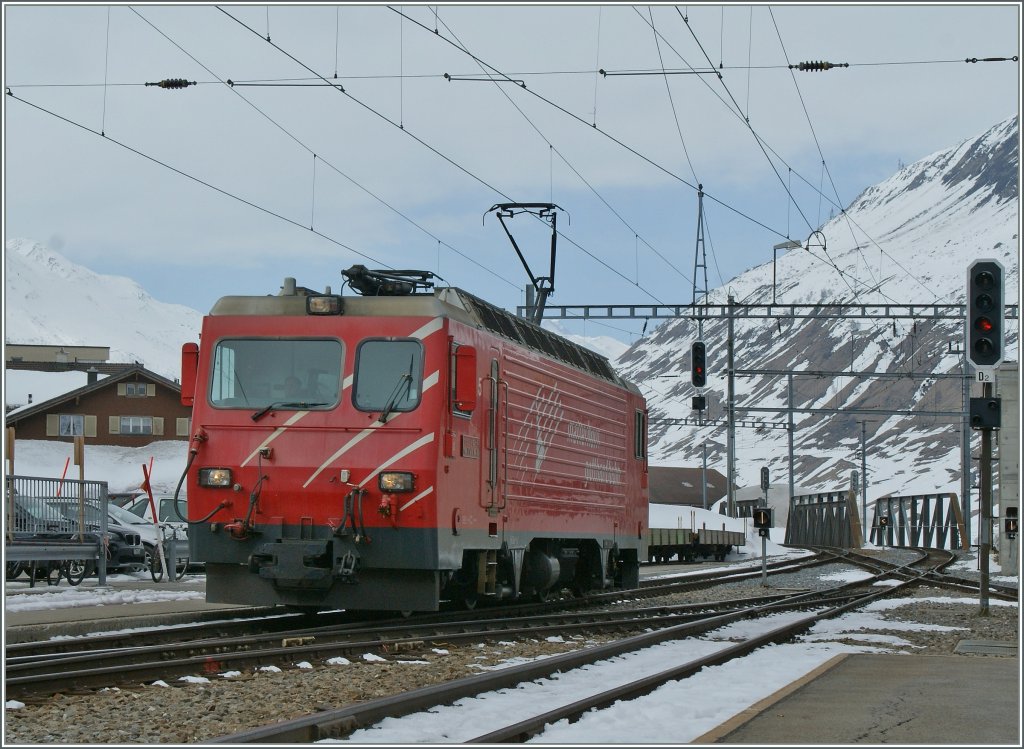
column 545, row 415
column 602, row 471
column 583, row 434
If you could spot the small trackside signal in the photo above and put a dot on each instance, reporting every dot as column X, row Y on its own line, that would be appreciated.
column 984, row 335
column 1011, row 526
column 698, row 364
column 762, row 521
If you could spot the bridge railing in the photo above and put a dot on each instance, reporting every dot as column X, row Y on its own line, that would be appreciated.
column 934, row 520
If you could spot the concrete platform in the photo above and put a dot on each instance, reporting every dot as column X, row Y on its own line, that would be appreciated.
column 127, row 608
column 888, row 699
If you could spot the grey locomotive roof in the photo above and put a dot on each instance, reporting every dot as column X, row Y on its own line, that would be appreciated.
column 447, row 302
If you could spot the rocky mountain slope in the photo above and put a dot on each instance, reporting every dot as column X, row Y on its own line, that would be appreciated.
column 906, row 240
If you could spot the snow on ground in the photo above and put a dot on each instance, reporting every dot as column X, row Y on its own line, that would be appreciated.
column 120, row 590
column 678, row 712
column 120, row 467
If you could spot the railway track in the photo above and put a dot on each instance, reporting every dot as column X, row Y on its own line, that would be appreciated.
column 109, row 660
column 340, row 722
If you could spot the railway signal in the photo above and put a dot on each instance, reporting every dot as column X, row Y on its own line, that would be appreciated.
column 985, row 313
column 698, row 364
column 1010, row 522
column 763, row 522
column 762, row 517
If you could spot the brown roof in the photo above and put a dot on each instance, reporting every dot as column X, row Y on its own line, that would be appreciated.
column 672, row 485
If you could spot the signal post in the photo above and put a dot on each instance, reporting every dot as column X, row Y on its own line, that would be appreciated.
column 763, row 522
column 983, row 338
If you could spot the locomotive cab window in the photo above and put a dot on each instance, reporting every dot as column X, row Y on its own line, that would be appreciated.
column 283, row 372
column 389, row 375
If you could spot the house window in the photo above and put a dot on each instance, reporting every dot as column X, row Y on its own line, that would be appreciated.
column 136, row 425
column 72, row 425
column 135, row 389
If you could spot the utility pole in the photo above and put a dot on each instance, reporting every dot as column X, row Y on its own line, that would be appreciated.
column 792, row 462
column 704, row 476
column 985, row 532
column 965, row 451
column 731, row 415
column 864, row 473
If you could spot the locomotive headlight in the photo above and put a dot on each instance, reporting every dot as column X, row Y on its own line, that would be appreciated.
column 215, row 477
column 393, row 482
column 323, row 305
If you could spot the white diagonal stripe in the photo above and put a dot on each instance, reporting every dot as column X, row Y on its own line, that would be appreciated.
column 428, row 383
column 416, row 499
column 424, row 440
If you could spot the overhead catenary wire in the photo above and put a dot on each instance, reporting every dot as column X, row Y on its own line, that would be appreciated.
column 528, row 73
column 791, row 199
column 682, row 140
column 843, row 275
column 309, row 150
column 340, row 88
column 660, row 167
column 825, row 170
column 192, row 177
column 553, row 149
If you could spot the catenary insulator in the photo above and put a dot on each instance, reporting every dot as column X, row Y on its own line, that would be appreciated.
column 173, row 83
column 819, row 65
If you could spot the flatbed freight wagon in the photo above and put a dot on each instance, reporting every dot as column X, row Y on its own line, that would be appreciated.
column 687, row 544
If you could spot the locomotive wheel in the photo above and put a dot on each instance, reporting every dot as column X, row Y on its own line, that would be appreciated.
column 469, row 601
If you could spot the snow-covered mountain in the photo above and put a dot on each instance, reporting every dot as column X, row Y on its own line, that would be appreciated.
column 49, row 300
column 906, row 240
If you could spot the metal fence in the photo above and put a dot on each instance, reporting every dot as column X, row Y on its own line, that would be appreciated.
column 36, row 531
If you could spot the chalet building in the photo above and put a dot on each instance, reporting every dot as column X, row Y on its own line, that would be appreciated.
column 671, row 485
column 130, row 408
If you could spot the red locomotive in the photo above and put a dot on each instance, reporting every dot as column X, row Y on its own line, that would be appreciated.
column 406, row 447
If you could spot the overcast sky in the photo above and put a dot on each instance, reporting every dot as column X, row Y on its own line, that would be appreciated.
column 408, row 161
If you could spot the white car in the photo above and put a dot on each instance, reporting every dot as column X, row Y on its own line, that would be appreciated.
column 140, row 507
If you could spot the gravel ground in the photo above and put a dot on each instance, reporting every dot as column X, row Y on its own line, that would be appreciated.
column 199, row 710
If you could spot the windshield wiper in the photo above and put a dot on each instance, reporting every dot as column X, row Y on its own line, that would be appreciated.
column 283, row 404
column 405, row 379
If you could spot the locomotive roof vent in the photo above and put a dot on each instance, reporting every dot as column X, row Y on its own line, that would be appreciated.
column 388, row 282
column 288, row 288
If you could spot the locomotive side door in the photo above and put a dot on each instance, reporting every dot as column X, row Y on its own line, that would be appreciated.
column 494, row 389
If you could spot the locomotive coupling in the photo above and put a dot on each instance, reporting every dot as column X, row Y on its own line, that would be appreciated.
column 239, row 530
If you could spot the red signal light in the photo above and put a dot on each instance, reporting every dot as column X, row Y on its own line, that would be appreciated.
column 983, row 324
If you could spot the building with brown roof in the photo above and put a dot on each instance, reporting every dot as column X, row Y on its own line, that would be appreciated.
column 130, row 408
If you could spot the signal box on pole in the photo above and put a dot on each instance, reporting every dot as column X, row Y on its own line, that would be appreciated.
column 984, row 326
